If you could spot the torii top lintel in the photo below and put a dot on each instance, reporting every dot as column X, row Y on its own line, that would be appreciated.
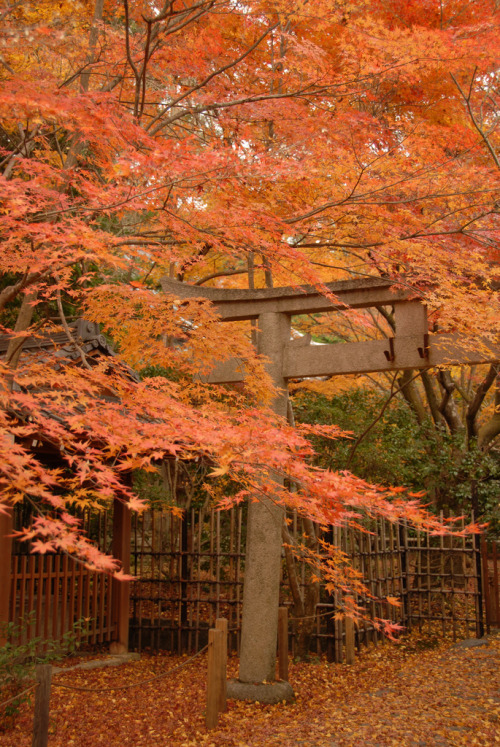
column 411, row 347
column 234, row 304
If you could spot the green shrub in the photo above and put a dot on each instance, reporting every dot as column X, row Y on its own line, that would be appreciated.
column 21, row 654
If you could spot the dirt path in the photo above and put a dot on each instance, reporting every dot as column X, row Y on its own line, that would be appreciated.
column 417, row 694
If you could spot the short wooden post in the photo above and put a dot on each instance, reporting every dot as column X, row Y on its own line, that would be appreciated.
column 221, row 624
column 478, row 577
column 330, row 641
column 349, row 640
column 283, row 643
column 486, row 585
column 215, row 676
column 42, row 706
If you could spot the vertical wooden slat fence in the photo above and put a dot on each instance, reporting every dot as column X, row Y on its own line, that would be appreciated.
column 52, row 592
column 491, row 591
column 59, row 595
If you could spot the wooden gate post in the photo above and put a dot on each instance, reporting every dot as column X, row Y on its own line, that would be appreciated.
column 485, row 583
column 42, row 706
column 221, row 624
column 496, row 590
column 403, row 557
column 6, row 526
column 283, row 643
column 478, row 576
column 349, row 641
column 121, row 589
column 216, row 676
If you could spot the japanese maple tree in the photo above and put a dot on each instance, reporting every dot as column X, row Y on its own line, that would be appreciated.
column 236, row 144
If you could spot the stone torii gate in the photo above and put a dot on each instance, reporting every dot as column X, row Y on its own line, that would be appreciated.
column 411, row 347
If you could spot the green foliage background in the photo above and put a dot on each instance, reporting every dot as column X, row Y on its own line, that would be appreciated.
column 400, row 451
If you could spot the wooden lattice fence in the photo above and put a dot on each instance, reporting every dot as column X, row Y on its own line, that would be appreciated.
column 190, row 571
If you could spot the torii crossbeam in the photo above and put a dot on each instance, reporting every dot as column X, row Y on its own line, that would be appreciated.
column 411, row 347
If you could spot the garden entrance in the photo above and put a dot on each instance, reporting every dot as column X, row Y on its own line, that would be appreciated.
column 271, row 311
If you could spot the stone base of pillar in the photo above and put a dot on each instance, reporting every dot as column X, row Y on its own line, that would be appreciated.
column 116, row 648
column 261, row 692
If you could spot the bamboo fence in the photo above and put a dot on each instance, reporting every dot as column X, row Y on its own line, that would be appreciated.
column 190, row 572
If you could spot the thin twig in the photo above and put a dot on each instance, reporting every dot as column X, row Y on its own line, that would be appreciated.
column 383, row 409
column 467, row 98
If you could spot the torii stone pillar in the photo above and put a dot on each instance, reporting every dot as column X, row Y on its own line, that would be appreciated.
column 411, row 347
column 263, row 549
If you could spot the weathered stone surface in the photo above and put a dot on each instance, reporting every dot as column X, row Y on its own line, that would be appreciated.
column 234, row 304
column 183, row 290
column 259, row 624
column 111, row 661
column 472, row 643
column 261, row 692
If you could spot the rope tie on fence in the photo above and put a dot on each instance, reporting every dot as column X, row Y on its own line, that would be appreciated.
column 19, row 695
column 311, row 617
column 112, row 688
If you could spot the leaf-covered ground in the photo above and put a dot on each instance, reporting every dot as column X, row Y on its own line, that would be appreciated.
column 420, row 692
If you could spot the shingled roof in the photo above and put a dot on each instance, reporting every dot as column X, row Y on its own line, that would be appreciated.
column 55, row 344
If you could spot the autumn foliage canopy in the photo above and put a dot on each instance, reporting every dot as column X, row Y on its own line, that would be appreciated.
column 238, row 145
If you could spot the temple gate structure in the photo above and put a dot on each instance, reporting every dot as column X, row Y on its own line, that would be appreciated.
column 411, row 347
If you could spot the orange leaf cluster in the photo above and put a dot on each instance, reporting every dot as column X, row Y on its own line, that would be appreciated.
column 213, row 142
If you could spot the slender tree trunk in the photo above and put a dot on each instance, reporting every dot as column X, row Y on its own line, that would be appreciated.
column 411, row 395
column 448, row 407
column 23, row 321
column 474, row 406
column 432, row 400
column 491, row 429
